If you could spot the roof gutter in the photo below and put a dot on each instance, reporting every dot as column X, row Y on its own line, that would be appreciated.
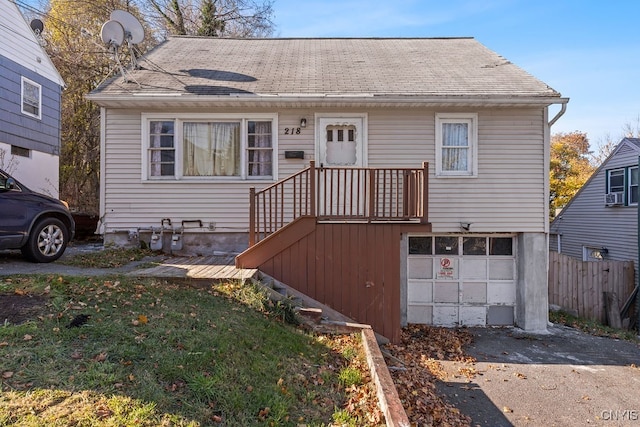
column 355, row 100
column 563, row 109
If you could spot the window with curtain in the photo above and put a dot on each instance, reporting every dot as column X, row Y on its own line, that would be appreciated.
column 211, row 149
column 209, row 146
column 456, row 140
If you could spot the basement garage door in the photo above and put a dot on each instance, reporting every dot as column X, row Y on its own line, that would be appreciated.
column 461, row 280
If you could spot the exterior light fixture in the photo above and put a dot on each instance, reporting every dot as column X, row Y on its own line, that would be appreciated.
column 303, row 123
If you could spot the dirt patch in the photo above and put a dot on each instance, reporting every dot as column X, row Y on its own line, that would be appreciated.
column 17, row 309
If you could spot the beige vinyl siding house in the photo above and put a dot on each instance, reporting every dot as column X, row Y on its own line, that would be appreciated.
column 590, row 227
column 481, row 123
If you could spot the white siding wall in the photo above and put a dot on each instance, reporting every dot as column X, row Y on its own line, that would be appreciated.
column 20, row 44
column 507, row 196
column 39, row 172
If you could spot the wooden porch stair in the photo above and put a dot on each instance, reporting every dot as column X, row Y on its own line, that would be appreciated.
column 344, row 258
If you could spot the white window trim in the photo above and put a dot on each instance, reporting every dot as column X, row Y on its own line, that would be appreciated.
column 201, row 117
column 472, row 119
column 24, row 80
column 628, row 184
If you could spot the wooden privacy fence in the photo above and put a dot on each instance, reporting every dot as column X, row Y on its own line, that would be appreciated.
column 578, row 286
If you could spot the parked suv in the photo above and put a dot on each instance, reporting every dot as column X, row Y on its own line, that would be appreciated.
column 40, row 226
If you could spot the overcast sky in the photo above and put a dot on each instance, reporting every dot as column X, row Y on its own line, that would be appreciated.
column 587, row 50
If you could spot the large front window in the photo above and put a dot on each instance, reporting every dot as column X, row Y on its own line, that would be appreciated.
column 456, row 141
column 234, row 147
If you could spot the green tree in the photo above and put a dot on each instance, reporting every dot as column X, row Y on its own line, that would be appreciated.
column 570, row 167
column 210, row 26
column 72, row 34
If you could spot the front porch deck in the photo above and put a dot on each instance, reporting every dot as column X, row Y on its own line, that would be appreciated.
column 200, row 267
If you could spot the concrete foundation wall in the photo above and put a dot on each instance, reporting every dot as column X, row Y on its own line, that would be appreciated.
column 192, row 243
column 532, row 298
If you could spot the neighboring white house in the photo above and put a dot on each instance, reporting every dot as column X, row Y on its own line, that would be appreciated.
column 601, row 220
column 204, row 119
column 31, row 89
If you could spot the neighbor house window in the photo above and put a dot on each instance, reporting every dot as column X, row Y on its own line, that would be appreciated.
column 31, row 98
column 590, row 253
column 632, row 188
column 624, row 182
column 456, row 145
column 210, row 147
column 19, row 151
column 615, row 182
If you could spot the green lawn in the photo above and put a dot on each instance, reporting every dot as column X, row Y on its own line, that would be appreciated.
column 160, row 352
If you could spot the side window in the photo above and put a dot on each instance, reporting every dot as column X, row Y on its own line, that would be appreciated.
column 615, row 181
column 31, row 98
column 456, row 145
column 622, row 187
column 259, row 148
column 591, row 253
column 632, row 188
column 162, row 151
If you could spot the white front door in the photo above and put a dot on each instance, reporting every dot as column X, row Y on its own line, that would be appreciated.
column 340, row 144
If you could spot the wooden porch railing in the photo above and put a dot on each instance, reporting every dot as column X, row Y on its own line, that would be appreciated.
column 340, row 194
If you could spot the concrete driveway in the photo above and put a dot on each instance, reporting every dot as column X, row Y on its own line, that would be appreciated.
column 563, row 378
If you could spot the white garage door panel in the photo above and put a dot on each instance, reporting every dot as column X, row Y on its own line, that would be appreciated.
column 420, row 291
column 456, row 288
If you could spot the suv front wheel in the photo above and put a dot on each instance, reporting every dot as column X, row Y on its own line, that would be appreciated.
column 47, row 241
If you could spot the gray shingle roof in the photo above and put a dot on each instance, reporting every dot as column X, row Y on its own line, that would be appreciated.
column 427, row 67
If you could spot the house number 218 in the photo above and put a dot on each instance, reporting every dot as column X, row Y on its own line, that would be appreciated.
column 292, row 131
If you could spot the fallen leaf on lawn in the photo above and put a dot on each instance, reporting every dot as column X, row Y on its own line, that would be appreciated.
column 7, row 374
column 101, row 357
column 47, row 289
column 20, row 292
column 135, row 322
column 76, row 355
column 143, row 319
column 264, row 413
column 27, row 337
column 4, row 344
column 216, row 419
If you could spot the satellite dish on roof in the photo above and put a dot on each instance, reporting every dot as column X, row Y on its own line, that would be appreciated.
column 37, row 26
column 112, row 33
column 134, row 33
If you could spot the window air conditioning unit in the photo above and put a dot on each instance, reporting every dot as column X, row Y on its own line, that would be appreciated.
column 613, row 199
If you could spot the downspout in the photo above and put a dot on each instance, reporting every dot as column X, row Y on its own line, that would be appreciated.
column 638, row 267
column 563, row 109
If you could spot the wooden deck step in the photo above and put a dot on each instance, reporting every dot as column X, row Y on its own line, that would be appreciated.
column 202, row 267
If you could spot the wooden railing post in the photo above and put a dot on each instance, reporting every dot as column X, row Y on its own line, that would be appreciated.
column 312, row 185
column 252, row 216
column 424, row 219
column 372, row 193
